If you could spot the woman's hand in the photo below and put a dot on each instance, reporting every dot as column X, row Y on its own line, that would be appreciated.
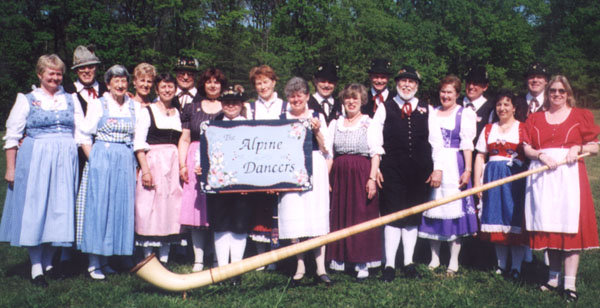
column 9, row 176
column 379, row 179
column 371, row 188
column 548, row 161
column 198, row 170
column 435, row 179
column 147, row 181
column 315, row 124
column 183, row 174
column 464, row 179
column 573, row 153
column 476, row 184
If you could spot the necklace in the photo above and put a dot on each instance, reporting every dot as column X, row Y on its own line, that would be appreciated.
column 353, row 119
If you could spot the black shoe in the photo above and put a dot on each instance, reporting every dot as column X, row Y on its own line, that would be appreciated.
column 389, row 273
column 55, row 273
column 324, row 279
column 514, row 275
column 236, row 281
column 410, row 271
column 570, row 296
column 39, row 281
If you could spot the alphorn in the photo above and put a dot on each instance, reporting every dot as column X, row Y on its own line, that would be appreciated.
column 153, row 272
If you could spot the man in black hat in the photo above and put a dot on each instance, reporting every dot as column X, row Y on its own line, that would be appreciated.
column 537, row 78
column 323, row 101
column 400, row 135
column 379, row 75
column 186, row 70
column 476, row 83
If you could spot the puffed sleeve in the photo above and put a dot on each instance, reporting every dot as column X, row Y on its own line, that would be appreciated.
column 331, row 133
column 186, row 116
column 375, row 132
column 89, row 124
column 325, row 133
column 468, row 129
column 530, row 129
column 435, row 140
column 141, row 130
column 79, row 118
column 481, row 146
column 15, row 124
column 589, row 129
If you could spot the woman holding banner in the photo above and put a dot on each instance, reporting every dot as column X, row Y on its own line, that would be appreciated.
column 268, row 106
column 193, row 206
column 306, row 214
column 354, row 191
column 560, row 220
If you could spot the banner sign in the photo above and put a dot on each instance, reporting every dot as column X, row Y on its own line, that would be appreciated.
column 246, row 156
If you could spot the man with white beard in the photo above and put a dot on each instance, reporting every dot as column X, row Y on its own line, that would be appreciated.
column 399, row 133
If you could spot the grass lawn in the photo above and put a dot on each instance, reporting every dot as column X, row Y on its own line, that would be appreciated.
column 473, row 287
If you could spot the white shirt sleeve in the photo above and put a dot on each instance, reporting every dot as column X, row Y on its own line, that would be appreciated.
column 79, row 118
column 481, row 146
column 15, row 124
column 325, row 132
column 89, row 125
column 331, row 134
column 468, row 129
column 141, row 130
column 375, row 132
column 435, row 139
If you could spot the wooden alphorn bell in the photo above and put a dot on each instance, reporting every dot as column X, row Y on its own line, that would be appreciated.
column 153, row 272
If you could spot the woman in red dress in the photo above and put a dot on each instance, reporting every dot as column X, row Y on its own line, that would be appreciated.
column 559, row 208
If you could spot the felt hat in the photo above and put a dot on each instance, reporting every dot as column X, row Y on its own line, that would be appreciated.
column 327, row 71
column 83, row 56
column 187, row 64
column 408, row 72
column 537, row 68
column 232, row 94
column 477, row 74
column 380, row 66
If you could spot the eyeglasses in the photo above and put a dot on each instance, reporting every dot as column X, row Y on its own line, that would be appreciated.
column 560, row 91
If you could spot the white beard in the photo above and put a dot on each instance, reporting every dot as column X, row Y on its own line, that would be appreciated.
column 408, row 96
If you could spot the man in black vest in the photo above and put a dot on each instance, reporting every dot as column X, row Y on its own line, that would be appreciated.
column 186, row 70
column 400, row 134
column 379, row 75
column 86, row 87
column 537, row 78
column 476, row 83
column 323, row 101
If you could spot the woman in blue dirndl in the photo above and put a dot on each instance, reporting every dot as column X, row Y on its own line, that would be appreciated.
column 105, row 203
column 39, row 208
column 454, row 220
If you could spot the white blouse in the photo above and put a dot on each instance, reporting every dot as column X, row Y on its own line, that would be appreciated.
column 468, row 126
column 17, row 120
column 143, row 123
column 95, row 113
column 264, row 110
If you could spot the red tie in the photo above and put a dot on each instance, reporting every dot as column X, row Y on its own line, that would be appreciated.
column 92, row 92
column 406, row 109
column 375, row 98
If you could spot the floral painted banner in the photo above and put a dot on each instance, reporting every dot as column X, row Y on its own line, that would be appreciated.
column 267, row 155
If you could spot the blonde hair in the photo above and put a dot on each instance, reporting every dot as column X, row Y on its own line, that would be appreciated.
column 565, row 82
column 144, row 69
column 354, row 90
column 49, row 61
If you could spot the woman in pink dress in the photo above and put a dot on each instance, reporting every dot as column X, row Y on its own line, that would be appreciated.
column 559, row 208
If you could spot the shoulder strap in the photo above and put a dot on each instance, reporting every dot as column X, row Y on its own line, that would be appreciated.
column 152, row 119
column 253, row 109
column 487, row 131
column 283, row 107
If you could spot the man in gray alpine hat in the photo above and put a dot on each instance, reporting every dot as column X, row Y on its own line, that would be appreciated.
column 86, row 87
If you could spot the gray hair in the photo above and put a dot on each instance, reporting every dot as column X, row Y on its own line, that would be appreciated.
column 116, row 70
column 296, row 84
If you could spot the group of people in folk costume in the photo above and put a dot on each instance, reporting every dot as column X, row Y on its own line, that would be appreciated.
column 93, row 167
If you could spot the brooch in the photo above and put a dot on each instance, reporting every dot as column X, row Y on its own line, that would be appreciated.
column 36, row 103
column 421, row 110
